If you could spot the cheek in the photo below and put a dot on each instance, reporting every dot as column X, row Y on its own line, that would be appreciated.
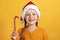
column 26, row 18
column 35, row 17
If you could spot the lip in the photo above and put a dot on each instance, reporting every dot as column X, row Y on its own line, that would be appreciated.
column 32, row 20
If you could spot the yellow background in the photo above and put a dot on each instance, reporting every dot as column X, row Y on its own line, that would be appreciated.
column 50, row 17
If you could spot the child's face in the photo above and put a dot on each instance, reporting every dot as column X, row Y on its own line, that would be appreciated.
column 31, row 17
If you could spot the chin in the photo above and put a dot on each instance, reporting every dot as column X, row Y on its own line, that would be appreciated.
column 31, row 23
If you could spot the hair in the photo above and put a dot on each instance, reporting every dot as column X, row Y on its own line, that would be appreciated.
column 26, row 23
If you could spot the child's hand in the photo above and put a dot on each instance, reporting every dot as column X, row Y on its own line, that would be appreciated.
column 14, row 35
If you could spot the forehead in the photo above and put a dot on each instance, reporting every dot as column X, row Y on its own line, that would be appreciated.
column 30, row 11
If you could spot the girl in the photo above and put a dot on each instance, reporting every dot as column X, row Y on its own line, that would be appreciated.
column 31, row 31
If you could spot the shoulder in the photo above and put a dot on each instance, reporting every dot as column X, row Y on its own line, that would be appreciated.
column 42, row 30
column 20, row 30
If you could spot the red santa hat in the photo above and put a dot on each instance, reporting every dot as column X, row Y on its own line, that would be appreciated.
column 30, row 5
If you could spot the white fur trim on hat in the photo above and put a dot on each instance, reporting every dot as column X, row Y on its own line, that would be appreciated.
column 30, row 7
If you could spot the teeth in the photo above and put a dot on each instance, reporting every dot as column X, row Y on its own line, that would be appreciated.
column 31, row 20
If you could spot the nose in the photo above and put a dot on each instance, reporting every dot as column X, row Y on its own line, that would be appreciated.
column 31, row 16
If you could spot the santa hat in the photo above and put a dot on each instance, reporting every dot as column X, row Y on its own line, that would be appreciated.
column 28, row 6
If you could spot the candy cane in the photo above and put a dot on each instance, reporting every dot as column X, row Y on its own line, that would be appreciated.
column 15, row 22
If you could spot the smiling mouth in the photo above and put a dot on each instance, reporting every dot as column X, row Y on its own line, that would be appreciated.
column 32, row 20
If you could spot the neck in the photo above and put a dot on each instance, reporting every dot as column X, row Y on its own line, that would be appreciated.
column 32, row 28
